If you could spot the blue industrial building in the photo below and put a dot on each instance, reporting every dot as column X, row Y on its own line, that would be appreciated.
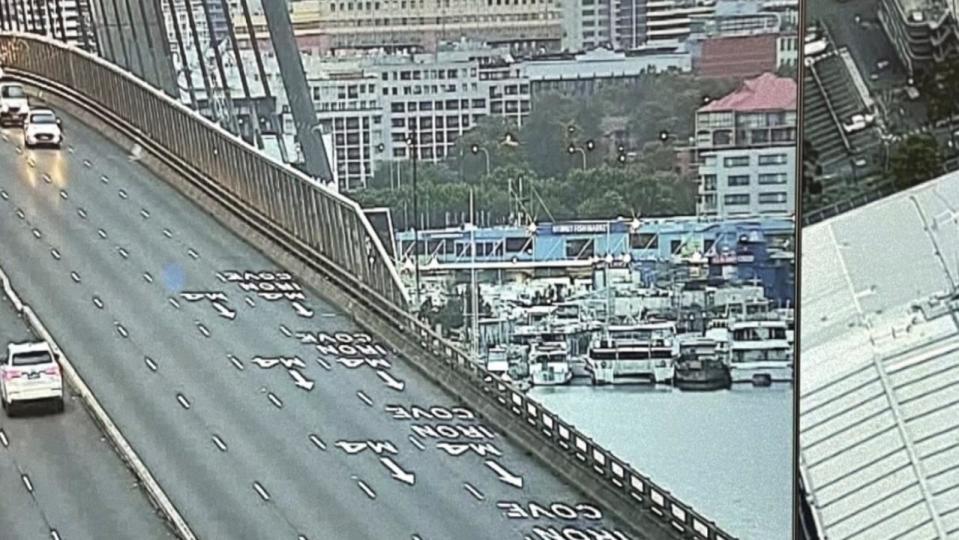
column 733, row 249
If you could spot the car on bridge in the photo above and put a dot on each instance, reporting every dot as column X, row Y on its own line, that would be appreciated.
column 30, row 373
column 14, row 104
column 42, row 127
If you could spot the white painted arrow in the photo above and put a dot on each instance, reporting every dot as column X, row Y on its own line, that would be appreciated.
column 390, row 381
column 224, row 311
column 265, row 363
column 302, row 311
column 300, row 380
column 398, row 472
column 504, row 475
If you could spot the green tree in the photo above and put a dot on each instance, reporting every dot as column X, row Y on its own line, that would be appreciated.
column 915, row 160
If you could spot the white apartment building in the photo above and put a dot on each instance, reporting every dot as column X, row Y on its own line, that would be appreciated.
column 630, row 24
column 59, row 19
column 746, row 150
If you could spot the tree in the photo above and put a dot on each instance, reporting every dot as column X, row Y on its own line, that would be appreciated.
column 915, row 160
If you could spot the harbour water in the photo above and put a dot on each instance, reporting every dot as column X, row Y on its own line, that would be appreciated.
column 729, row 454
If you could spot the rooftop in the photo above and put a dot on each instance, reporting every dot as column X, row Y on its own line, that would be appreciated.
column 878, row 410
column 767, row 92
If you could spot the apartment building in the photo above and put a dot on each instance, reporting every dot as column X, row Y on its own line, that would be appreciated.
column 329, row 25
column 177, row 11
column 746, row 150
column 66, row 20
column 923, row 32
column 630, row 24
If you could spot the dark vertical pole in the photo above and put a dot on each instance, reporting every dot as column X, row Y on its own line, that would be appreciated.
column 105, row 28
column 120, row 36
column 184, row 67
column 256, row 47
column 3, row 15
column 255, row 127
column 316, row 162
column 136, row 40
column 150, row 47
column 414, row 147
column 231, row 116
column 199, row 53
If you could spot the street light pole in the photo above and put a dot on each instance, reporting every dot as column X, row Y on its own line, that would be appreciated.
column 414, row 150
column 475, row 149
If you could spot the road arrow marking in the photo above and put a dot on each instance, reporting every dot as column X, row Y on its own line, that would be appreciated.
column 393, row 383
column 504, row 475
column 398, row 472
column 302, row 311
column 224, row 311
column 300, row 380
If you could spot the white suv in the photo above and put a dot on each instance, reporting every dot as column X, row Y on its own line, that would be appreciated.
column 14, row 104
column 42, row 127
column 30, row 373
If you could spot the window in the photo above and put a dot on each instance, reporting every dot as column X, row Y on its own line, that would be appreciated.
column 772, row 159
column 644, row 241
column 738, row 161
column 736, row 200
column 738, row 180
column 709, row 182
column 773, row 178
column 398, row 107
column 772, row 198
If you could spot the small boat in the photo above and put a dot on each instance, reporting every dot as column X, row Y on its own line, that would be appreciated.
column 700, row 367
column 549, row 364
column 637, row 353
column 759, row 352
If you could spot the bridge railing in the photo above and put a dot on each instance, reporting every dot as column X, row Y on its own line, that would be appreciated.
column 328, row 232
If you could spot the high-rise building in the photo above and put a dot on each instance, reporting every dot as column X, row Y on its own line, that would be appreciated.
column 746, row 150
column 329, row 25
column 66, row 20
column 630, row 24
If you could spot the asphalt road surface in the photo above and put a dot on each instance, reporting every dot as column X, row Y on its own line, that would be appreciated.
column 58, row 472
column 251, row 429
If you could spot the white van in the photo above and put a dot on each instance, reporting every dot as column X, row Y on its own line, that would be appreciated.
column 14, row 105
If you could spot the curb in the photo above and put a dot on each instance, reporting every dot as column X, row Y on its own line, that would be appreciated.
column 127, row 453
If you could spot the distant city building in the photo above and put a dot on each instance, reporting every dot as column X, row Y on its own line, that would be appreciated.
column 923, row 32
column 630, row 24
column 580, row 74
column 329, row 25
column 746, row 149
column 66, row 20
column 787, row 51
column 177, row 11
column 738, row 57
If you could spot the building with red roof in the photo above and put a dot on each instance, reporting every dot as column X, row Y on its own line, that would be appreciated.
column 746, row 149
column 738, row 57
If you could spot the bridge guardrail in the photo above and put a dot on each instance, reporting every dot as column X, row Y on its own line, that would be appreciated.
column 329, row 232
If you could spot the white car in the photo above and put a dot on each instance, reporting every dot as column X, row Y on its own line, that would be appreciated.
column 42, row 127
column 14, row 105
column 30, row 373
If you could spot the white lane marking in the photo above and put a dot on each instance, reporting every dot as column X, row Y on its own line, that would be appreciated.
column 249, row 301
column 276, row 401
column 55, row 253
column 20, row 214
column 3, row 438
column 122, row 194
column 184, row 402
column 27, row 483
column 366, row 489
column 366, row 399
column 150, row 363
column 36, row 233
column 72, row 149
column 145, row 213
column 504, row 475
column 148, row 277
column 32, row 162
column 82, row 213
column 121, row 330
column 203, row 330
column 104, row 179
column 54, row 535
column 75, row 276
column 316, row 440
column 97, row 302
column 123, row 253
column 173, row 302
column 286, row 331
column 416, row 442
column 262, row 492
column 87, row 163
column 219, row 443
column 475, row 492
column 102, row 233
column 193, row 254
column 167, row 233
column 47, row 179
column 236, row 362
column 324, row 363
column 64, row 195
column 5, row 196
column 220, row 277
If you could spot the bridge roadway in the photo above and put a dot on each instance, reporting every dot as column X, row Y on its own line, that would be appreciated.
column 78, row 486
column 104, row 251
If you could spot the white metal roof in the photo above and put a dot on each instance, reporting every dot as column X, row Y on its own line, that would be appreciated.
column 879, row 400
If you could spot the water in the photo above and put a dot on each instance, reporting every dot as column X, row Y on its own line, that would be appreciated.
column 728, row 454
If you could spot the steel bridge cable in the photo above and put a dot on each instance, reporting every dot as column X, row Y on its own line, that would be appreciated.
column 218, row 57
column 200, row 54
column 183, row 60
column 242, row 72
column 256, row 48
